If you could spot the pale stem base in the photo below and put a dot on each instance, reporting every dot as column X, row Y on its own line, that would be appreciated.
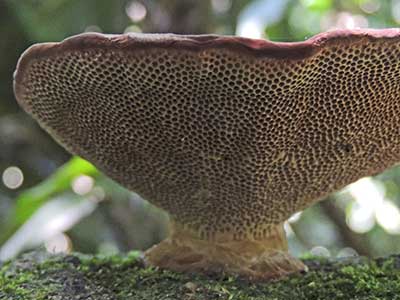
column 252, row 259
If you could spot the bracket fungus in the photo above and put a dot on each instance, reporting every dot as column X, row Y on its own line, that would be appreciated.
column 229, row 135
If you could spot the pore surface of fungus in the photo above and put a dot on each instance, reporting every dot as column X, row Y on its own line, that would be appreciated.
column 229, row 135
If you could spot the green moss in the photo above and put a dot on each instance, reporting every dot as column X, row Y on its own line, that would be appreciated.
column 124, row 277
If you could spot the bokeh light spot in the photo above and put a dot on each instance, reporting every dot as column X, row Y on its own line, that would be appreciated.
column 221, row 6
column 368, row 195
column 388, row 216
column 93, row 28
column 295, row 217
column 98, row 193
column 361, row 219
column 396, row 10
column 288, row 229
column 370, row 6
column 250, row 29
column 13, row 177
column 136, row 11
column 320, row 251
column 82, row 184
column 347, row 20
column 347, row 252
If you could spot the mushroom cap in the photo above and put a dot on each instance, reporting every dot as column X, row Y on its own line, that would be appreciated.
column 229, row 135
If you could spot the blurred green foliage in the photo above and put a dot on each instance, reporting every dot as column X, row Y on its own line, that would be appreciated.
column 30, row 200
column 122, row 220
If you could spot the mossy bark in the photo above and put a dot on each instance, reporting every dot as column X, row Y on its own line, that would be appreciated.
column 38, row 276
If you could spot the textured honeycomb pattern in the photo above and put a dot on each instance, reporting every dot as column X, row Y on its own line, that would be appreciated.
column 228, row 142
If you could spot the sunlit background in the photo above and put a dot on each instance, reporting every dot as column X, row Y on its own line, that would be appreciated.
column 60, row 204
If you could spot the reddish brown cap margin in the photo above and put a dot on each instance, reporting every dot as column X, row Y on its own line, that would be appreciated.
column 254, row 47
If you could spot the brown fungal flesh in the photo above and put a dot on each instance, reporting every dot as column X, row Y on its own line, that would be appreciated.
column 229, row 135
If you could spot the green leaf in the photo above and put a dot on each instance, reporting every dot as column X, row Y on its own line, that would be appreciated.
column 319, row 5
column 33, row 198
column 30, row 200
